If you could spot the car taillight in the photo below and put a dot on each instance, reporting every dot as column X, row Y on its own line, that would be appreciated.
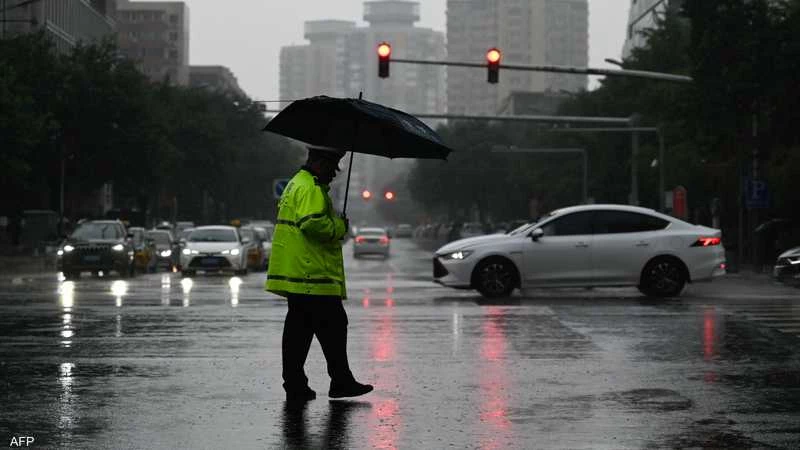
column 359, row 239
column 384, row 240
column 707, row 242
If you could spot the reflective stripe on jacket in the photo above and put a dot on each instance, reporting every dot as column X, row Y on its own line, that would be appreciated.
column 306, row 249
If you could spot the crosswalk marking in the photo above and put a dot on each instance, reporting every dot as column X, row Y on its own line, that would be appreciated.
column 784, row 318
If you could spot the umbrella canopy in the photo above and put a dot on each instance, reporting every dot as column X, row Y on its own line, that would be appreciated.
column 358, row 125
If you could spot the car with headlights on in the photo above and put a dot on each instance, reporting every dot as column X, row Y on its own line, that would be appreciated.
column 97, row 246
column 167, row 249
column 787, row 267
column 371, row 241
column 214, row 248
column 586, row 246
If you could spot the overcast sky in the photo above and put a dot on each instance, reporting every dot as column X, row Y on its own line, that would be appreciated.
column 247, row 37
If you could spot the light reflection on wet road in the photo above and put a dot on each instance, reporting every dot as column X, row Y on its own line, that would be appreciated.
column 161, row 361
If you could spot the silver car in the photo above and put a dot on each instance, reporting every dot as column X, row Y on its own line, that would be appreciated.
column 214, row 248
column 371, row 241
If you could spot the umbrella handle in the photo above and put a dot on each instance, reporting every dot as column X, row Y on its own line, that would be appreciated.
column 350, row 168
column 347, row 186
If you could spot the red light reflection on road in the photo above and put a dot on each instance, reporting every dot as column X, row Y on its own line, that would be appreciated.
column 383, row 340
column 709, row 342
column 493, row 381
column 387, row 428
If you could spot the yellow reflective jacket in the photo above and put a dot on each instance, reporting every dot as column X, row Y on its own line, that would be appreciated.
column 306, row 248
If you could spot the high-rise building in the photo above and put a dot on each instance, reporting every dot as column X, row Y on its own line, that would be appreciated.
column 341, row 60
column 533, row 32
column 316, row 68
column 643, row 14
column 66, row 22
column 156, row 35
column 215, row 78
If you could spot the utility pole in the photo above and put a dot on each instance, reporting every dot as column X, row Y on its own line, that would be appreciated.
column 634, row 195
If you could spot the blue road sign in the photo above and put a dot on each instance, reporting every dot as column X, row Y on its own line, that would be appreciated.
column 278, row 185
column 756, row 193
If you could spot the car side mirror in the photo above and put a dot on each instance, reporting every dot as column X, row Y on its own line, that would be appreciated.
column 182, row 242
column 246, row 240
column 536, row 234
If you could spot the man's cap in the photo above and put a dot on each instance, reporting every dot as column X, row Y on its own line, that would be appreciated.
column 331, row 154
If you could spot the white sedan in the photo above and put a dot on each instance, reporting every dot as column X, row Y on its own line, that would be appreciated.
column 214, row 248
column 585, row 246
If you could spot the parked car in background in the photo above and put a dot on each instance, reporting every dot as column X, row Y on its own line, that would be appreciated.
column 371, row 241
column 266, row 243
column 145, row 255
column 787, row 267
column 167, row 249
column 215, row 248
column 97, row 246
column 256, row 257
column 583, row 246
column 404, row 230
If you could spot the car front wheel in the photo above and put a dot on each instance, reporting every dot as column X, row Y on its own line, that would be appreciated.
column 495, row 277
column 662, row 277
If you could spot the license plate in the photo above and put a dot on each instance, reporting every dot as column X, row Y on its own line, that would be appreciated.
column 208, row 261
column 91, row 258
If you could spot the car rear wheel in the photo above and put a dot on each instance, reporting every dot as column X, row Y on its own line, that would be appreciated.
column 663, row 277
column 495, row 277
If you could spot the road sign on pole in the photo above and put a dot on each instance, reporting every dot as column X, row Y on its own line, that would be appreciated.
column 278, row 185
column 756, row 193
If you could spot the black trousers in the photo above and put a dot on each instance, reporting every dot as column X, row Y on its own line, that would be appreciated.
column 325, row 318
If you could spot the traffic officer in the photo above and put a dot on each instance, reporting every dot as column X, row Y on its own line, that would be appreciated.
column 306, row 267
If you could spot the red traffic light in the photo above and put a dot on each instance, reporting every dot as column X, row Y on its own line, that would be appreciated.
column 384, row 54
column 388, row 195
column 384, row 50
column 366, row 195
column 494, row 56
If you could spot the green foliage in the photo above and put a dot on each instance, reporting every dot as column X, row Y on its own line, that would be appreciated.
column 158, row 144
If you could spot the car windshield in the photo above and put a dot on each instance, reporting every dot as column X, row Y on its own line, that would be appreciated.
column 98, row 231
column 159, row 238
column 212, row 235
column 372, row 231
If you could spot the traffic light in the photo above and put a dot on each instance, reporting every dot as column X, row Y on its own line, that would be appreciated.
column 366, row 195
column 384, row 54
column 388, row 195
column 493, row 57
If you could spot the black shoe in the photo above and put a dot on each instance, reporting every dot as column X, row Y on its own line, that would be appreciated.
column 303, row 395
column 353, row 389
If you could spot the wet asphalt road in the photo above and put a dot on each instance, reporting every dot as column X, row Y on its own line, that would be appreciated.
column 156, row 362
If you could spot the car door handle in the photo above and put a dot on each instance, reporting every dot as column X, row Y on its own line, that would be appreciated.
column 642, row 244
column 581, row 245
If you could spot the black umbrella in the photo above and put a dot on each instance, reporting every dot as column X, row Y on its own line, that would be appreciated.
column 358, row 126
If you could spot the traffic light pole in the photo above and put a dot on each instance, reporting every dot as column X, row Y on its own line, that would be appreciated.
column 559, row 69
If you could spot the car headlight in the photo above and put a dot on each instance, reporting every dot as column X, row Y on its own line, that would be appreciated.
column 187, row 252
column 232, row 252
column 794, row 260
column 461, row 254
column 118, row 248
column 166, row 253
column 60, row 252
column 68, row 248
